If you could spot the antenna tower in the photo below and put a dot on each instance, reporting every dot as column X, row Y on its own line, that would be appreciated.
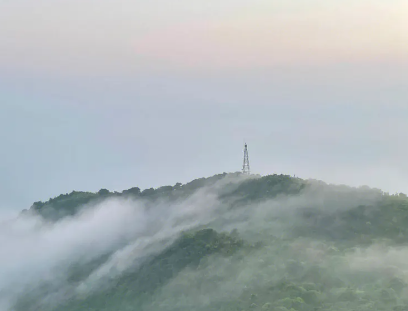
column 245, row 167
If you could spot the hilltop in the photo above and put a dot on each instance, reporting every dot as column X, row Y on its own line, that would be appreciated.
column 253, row 188
column 233, row 242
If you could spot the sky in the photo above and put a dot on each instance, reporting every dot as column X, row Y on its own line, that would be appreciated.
column 116, row 94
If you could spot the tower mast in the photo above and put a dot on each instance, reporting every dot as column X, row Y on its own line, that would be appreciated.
column 245, row 167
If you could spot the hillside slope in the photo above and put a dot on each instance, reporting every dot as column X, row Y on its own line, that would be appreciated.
column 232, row 242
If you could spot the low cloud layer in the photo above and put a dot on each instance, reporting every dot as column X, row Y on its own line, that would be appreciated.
column 129, row 232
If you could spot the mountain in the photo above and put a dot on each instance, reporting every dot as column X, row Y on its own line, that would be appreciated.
column 227, row 242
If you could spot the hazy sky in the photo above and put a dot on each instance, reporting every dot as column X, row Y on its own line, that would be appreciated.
column 115, row 94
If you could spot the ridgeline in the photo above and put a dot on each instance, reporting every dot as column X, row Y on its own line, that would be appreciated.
column 272, row 243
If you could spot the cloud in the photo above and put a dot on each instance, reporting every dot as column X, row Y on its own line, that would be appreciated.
column 126, row 231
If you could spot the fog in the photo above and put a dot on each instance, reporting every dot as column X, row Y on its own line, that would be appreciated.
column 129, row 232
column 37, row 251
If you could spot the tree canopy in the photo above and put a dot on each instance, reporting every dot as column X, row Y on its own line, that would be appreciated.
column 276, row 243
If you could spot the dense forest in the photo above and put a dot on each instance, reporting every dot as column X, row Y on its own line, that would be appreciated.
column 229, row 242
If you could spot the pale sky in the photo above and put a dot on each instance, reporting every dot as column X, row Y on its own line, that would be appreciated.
column 114, row 94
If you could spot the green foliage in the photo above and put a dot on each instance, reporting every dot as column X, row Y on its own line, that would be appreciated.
column 63, row 205
column 103, row 192
column 136, row 287
column 70, row 204
column 135, row 191
column 303, row 268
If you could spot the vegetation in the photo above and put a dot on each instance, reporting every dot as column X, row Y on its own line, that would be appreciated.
column 278, row 243
column 76, row 201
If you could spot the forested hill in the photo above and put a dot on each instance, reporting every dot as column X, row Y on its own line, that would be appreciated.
column 229, row 242
column 252, row 188
column 318, row 203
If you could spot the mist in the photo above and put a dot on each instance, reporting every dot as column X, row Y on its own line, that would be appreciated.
column 38, row 251
column 290, row 236
column 127, row 231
